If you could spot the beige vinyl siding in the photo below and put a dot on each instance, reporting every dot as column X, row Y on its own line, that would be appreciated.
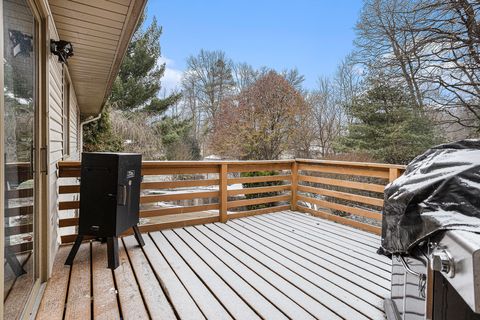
column 57, row 135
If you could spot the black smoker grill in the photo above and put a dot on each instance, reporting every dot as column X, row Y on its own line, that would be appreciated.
column 431, row 229
column 109, row 200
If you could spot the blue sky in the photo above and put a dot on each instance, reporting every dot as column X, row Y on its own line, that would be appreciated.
column 312, row 35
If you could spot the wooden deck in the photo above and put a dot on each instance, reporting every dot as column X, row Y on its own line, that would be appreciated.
column 272, row 266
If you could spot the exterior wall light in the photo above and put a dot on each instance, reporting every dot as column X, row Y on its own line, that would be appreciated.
column 61, row 48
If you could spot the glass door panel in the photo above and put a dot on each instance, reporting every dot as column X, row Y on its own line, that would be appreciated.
column 19, row 143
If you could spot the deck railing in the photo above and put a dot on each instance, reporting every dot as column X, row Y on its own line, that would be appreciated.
column 181, row 193
column 18, row 207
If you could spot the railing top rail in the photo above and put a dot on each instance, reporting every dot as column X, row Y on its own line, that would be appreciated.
column 153, row 163
column 353, row 164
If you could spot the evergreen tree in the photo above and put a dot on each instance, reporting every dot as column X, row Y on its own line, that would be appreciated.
column 178, row 140
column 135, row 90
column 387, row 126
column 98, row 135
column 138, row 82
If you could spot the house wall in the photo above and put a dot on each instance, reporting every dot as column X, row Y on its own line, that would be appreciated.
column 58, row 79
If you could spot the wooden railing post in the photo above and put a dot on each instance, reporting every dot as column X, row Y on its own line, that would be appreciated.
column 393, row 174
column 223, row 187
column 294, row 171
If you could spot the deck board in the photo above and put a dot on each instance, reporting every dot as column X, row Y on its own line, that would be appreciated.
column 79, row 296
column 106, row 307
column 132, row 304
column 272, row 266
column 156, row 301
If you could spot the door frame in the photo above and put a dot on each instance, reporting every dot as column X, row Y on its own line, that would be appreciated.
column 41, row 12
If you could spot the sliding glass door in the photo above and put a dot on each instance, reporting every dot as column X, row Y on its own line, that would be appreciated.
column 20, row 104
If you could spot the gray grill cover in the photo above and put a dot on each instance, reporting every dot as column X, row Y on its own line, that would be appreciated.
column 439, row 190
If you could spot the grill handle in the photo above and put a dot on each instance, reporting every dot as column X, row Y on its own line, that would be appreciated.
column 422, row 277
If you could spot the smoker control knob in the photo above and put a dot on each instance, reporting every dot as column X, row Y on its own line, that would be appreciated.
column 442, row 262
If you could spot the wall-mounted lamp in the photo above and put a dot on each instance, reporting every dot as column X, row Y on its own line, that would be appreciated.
column 61, row 48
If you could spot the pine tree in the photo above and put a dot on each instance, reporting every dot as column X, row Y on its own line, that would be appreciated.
column 135, row 90
column 387, row 126
column 138, row 83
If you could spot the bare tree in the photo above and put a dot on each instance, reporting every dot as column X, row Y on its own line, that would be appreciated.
column 387, row 45
column 327, row 115
column 430, row 46
column 209, row 77
column 244, row 75
column 450, row 51
column 348, row 86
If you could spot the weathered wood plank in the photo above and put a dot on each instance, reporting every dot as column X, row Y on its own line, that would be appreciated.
column 177, row 210
column 343, row 242
column 105, row 305
column 336, row 257
column 247, row 202
column 258, row 190
column 53, row 300
column 78, row 301
column 68, row 205
column 181, row 300
column 69, row 189
column 169, row 170
column 327, row 259
column 343, row 195
column 179, row 196
column 179, row 184
column 207, row 302
column 346, row 170
column 342, row 220
column 293, row 302
column 253, row 298
column 230, row 300
column 223, row 194
column 156, row 301
column 248, row 213
column 341, row 207
column 324, row 286
column 359, row 235
column 343, row 183
column 131, row 302
column 339, row 286
column 247, row 167
column 260, row 179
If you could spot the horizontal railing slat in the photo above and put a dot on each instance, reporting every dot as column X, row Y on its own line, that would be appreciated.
column 178, row 196
column 343, row 183
column 356, row 224
column 69, row 189
column 342, row 195
column 336, row 206
column 366, row 172
column 260, row 179
column 177, row 210
column 247, row 202
column 258, row 167
column 249, row 213
column 179, row 184
column 258, row 190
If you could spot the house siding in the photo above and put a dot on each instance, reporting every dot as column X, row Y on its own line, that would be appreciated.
column 57, row 135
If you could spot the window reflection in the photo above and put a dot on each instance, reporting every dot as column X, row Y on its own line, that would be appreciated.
column 19, row 101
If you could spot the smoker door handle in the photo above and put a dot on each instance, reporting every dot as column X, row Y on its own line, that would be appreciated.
column 123, row 200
